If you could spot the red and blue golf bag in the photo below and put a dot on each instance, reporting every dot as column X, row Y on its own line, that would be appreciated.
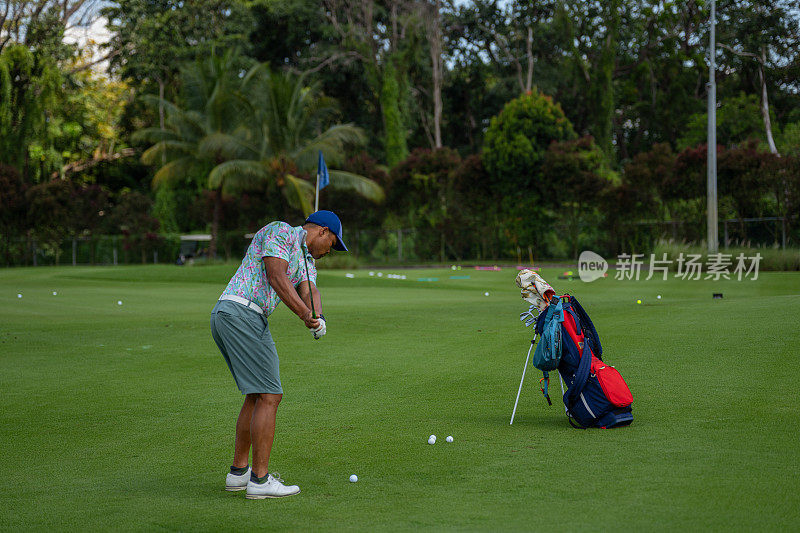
column 596, row 394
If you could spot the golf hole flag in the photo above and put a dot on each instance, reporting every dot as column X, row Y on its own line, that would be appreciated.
column 323, row 179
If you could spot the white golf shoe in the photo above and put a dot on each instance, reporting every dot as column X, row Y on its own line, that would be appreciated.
column 273, row 487
column 234, row 482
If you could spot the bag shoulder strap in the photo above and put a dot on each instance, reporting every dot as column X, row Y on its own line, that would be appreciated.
column 581, row 377
column 588, row 328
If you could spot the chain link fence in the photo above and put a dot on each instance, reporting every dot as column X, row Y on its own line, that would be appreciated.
column 395, row 246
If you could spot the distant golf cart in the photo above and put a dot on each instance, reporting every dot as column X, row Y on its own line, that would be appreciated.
column 193, row 247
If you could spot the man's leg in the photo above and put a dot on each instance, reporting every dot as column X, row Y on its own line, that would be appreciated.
column 241, row 448
column 262, row 430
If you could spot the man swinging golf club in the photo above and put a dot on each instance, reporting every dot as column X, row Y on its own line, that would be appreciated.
column 279, row 266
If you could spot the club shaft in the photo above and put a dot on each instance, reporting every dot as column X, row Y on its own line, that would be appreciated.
column 524, row 368
column 310, row 295
column 304, row 249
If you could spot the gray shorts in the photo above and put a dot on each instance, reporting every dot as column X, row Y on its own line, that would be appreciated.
column 243, row 337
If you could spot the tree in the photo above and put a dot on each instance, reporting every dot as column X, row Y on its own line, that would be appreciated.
column 517, row 139
column 288, row 125
column 132, row 216
column 422, row 192
column 12, row 209
column 591, row 37
column 744, row 176
column 480, row 213
column 737, row 121
column 761, row 34
column 30, row 84
column 30, row 22
column 649, row 173
column 214, row 105
column 150, row 39
column 239, row 132
column 497, row 52
column 51, row 214
column 577, row 172
column 355, row 211
column 380, row 37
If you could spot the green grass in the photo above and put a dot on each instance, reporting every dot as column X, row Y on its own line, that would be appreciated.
column 772, row 257
column 122, row 417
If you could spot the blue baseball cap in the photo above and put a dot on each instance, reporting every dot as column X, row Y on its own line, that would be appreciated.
column 328, row 219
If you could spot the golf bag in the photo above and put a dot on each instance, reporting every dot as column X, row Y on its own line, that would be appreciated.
column 596, row 394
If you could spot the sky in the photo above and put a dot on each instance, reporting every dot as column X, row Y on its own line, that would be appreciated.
column 90, row 38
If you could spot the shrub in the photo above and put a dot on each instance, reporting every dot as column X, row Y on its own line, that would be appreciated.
column 517, row 139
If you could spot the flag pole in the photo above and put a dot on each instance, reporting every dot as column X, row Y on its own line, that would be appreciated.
column 316, row 194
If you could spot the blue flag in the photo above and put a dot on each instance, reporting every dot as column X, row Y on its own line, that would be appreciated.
column 322, row 172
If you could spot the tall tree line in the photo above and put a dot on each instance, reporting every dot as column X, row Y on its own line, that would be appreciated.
column 411, row 74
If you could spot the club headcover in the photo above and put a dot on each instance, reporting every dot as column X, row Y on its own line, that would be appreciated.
column 534, row 288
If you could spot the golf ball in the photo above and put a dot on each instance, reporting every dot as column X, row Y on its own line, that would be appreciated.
column 54, row 293
column 372, row 273
column 659, row 296
column 353, row 478
column 432, row 439
column 449, row 438
column 380, row 274
column 486, row 294
column 119, row 302
column 638, row 301
column 19, row 296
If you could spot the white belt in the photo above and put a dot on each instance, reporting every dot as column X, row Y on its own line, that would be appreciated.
column 244, row 301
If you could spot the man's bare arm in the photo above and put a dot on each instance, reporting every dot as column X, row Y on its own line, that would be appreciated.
column 279, row 281
column 304, row 295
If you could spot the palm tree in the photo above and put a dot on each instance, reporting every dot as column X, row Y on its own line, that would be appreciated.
column 241, row 130
column 286, row 131
column 213, row 98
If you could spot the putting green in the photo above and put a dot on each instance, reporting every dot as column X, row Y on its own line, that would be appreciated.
column 121, row 416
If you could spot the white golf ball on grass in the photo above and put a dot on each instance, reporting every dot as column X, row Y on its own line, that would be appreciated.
column 486, row 294
column 19, row 296
column 353, row 478
column 449, row 438
column 119, row 302
column 432, row 439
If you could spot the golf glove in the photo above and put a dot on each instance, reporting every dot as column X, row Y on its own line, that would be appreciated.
column 321, row 329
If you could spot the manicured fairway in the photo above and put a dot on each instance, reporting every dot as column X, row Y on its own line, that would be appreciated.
column 121, row 417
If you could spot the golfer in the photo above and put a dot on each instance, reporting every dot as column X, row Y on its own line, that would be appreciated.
column 279, row 266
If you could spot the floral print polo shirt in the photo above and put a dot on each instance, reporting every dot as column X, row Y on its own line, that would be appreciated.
column 276, row 239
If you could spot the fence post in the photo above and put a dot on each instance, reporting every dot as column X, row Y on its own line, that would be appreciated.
column 399, row 245
column 783, row 224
